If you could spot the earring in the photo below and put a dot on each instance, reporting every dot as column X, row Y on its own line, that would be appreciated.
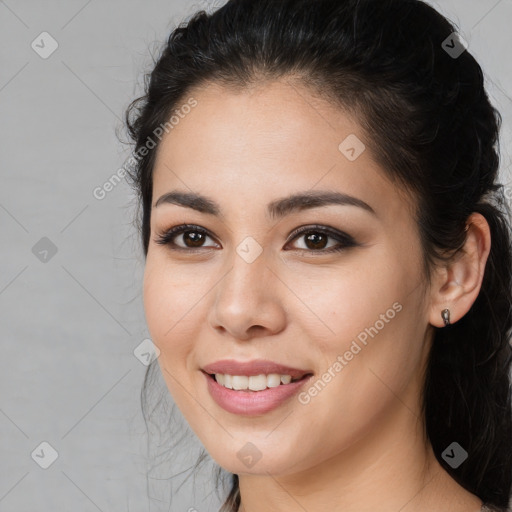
column 446, row 316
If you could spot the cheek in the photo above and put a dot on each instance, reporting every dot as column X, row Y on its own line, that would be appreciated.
column 369, row 333
column 169, row 314
column 376, row 348
column 156, row 302
column 337, row 304
column 169, row 308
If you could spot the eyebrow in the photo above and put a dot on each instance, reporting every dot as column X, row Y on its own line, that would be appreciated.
column 276, row 209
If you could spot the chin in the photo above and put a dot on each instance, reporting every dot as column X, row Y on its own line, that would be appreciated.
column 251, row 460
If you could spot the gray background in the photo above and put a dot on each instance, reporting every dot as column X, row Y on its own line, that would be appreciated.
column 70, row 321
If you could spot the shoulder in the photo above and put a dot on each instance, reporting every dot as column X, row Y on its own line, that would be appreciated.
column 491, row 508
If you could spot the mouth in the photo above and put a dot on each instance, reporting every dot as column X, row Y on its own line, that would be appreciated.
column 257, row 394
column 255, row 387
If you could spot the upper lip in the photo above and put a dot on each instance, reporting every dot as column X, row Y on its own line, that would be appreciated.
column 254, row 367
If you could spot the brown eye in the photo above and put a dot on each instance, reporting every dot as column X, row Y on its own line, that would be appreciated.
column 316, row 239
column 193, row 237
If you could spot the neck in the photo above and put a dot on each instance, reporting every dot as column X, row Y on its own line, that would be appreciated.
column 391, row 467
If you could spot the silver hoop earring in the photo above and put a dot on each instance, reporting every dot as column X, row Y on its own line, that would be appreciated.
column 446, row 316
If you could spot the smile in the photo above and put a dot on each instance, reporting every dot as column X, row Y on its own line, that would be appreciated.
column 243, row 399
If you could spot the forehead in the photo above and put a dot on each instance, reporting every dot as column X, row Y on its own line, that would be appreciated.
column 269, row 140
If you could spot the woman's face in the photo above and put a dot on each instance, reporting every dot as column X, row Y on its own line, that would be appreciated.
column 250, row 289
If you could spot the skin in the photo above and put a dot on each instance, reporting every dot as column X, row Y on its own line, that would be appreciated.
column 359, row 444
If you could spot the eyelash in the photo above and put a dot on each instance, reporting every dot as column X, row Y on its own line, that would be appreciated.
column 345, row 240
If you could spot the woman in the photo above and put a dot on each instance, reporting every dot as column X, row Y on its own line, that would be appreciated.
column 328, row 255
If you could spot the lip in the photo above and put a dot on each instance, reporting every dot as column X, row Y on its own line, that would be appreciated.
column 252, row 403
column 251, row 368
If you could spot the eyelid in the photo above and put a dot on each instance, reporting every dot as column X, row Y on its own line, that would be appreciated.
column 344, row 240
column 331, row 232
column 165, row 237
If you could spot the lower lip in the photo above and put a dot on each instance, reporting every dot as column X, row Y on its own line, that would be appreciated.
column 250, row 403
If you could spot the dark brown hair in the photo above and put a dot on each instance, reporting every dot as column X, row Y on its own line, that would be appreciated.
column 431, row 126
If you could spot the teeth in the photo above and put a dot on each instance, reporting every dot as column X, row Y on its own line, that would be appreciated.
column 254, row 382
column 286, row 379
column 240, row 382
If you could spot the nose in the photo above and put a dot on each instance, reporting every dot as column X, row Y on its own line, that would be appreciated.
column 248, row 300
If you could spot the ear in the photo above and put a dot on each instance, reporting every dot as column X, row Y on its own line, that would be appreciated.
column 456, row 283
